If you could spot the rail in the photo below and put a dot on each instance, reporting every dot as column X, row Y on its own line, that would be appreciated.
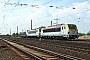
column 51, row 54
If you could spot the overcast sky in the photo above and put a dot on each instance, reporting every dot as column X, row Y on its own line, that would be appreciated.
column 12, row 14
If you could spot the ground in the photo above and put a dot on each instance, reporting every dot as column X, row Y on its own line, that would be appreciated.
column 84, row 37
column 6, row 53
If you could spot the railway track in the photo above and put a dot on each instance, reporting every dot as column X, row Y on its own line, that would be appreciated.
column 80, row 46
column 41, row 54
column 17, row 51
column 79, row 49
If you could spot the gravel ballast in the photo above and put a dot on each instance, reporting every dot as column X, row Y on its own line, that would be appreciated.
column 7, row 54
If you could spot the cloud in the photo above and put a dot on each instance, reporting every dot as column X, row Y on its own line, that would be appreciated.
column 78, row 12
column 87, row 21
column 43, row 15
column 40, row 16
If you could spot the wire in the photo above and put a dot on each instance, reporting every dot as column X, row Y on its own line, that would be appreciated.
column 66, row 8
column 9, row 14
column 13, row 9
column 4, row 4
column 36, row 10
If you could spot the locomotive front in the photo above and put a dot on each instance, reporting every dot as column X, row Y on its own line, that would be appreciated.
column 72, row 31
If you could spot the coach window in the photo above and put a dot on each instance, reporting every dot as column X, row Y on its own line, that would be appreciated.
column 62, row 28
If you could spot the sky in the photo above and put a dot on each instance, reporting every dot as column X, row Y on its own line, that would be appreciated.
column 19, row 13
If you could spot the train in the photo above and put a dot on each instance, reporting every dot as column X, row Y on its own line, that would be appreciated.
column 58, row 31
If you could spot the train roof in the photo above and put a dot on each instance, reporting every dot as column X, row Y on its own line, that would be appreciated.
column 53, row 26
column 31, row 30
column 23, row 32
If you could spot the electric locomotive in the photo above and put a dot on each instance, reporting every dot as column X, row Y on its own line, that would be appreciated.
column 60, row 31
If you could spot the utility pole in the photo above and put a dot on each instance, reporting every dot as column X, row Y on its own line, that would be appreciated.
column 10, row 32
column 56, row 16
column 17, row 31
column 16, row 4
column 56, row 20
column 31, row 24
column 51, row 23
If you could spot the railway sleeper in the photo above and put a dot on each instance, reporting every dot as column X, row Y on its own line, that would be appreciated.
column 63, row 56
column 46, row 51
column 56, row 54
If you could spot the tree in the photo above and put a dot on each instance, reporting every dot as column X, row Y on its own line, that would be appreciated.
column 14, row 34
column 42, row 27
column 88, row 33
column 81, row 34
column 17, row 34
column 7, row 35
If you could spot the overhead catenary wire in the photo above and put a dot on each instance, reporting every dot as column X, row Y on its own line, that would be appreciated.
column 16, row 4
column 33, row 11
column 4, row 18
column 50, row 14
column 29, row 6
column 13, row 9
column 56, row 7
column 4, row 4
column 36, row 10
column 73, row 8
column 8, row 15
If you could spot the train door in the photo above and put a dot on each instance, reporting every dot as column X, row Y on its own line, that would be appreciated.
column 63, row 30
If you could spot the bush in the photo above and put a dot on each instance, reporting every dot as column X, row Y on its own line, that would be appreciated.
column 88, row 33
column 81, row 34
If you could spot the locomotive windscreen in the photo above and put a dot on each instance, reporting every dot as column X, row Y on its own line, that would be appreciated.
column 72, row 26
